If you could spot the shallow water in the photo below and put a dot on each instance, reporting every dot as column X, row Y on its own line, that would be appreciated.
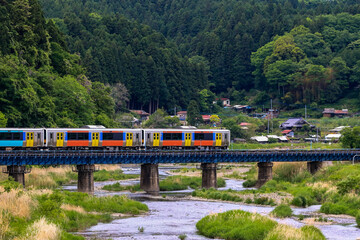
column 169, row 219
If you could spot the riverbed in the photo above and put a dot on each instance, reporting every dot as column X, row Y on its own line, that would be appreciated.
column 167, row 220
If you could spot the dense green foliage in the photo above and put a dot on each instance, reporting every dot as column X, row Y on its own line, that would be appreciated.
column 104, row 175
column 42, row 84
column 317, row 62
column 240, row 225
column 351, row 137
column 282, row 211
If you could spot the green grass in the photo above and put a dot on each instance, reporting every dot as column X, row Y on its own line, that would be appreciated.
column 282, row 211
column 233, row 196
column 49, row 206
column 172, row 183
column 115, row 175
column 108, row 204
column 307, row 146
column 237, row 224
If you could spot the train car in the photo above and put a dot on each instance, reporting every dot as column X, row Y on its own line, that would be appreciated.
column 13, row 138
column 182, row 139
column 93, row 138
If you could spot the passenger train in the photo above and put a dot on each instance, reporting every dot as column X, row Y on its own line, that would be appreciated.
column 112, row 138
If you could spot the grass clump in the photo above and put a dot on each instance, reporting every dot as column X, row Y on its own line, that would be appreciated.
column 249, row 183
column 174, row 183
column 285, row 232
column 282, row 211
column 358, row 219
column 46, row 214
column 237, row 224
column 104, row 175
column 117, row 187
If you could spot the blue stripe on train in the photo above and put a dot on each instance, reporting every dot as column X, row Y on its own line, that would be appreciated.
column 7, row 143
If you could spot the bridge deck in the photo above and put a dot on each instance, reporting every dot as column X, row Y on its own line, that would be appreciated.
column 58, row 157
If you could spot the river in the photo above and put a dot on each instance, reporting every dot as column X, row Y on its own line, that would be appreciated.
column 167, row 220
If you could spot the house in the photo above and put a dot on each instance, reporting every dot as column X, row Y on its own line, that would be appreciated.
column 225, row 101
column 288, row 133
column 334, row 137
column 243, row 108
column 295, row 123
column 143, row 115
column 338, row 129
column 331, row 112
column 206, row 118
column 260, row 139
column 182, row 115
column 245, row 125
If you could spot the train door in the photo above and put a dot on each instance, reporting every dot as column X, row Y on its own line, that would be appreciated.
column 156, row 140
column 218, row 138
column 187, row 139
column 95, row 139
column 60, row 139
column 129, row 139
column 29, row 139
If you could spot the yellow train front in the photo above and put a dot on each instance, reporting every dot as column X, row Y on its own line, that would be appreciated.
column 186, row 139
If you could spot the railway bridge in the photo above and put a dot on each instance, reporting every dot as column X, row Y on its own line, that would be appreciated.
column 16, row 162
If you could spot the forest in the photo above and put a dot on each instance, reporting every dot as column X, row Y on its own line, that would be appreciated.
column 69, row 63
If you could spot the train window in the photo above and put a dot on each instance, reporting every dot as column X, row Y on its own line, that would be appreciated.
column 167, row 136
column 203, row 136
column 137, row 136
column 16, row 136
column 51, row 136
column 5, row 136
column 83, row 136
column 225, row 136
column 72, row 136
column 39, row 136
column 148, row 135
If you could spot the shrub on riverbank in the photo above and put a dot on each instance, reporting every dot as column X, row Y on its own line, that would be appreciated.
column 104, row 175
column 43, row 214
column 234, row 196
column 237, row 224
column 282, row 211
column 172, row 183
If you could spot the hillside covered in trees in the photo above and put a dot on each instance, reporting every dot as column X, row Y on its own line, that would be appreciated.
column 41, row 83
column 223, row 36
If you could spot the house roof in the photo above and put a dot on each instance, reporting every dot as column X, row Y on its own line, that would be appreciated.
column 294, row 122
column 206, row 117
column 181, row 112
column 331, row 135
column 140, row 112
column 260, row 138
column 245, row 124
column 286, row 131
column 344, row 111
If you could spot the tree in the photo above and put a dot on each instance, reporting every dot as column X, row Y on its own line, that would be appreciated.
column 193, row 114
column 3, row 120
column 214, row 119
column 350, row 137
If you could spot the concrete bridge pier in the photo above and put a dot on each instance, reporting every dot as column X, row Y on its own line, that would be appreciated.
column 85, row 178
column 149, row 178
column 313, row 167
column 209, row 175
column 264, row 173
column 17, row 173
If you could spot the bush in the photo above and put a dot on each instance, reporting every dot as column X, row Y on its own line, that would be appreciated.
column 249, row 183
column 358, row 219
column 235, row 224
column 333, row 208
column 282, row 211
column 299, row 201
